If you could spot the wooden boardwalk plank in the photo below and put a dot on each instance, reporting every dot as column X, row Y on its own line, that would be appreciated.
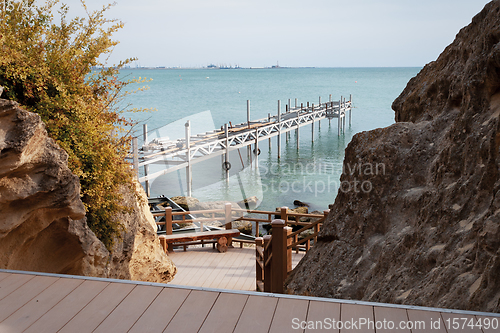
column 39, row 305
column 243, row 277
column 198, row 268
column 99, row 308
column 194, row 270
column 44, row 303
column 213, row 276
column 205, row 267
column 424, row 321
column 244, row 281
column 350, row 314
column 193, row 312
column 130, row 310
column 4, row 275
column 458, row 323
column 257, row 315
column 225, row 313
column 24, row 294
column 161, row 311
column 389, row 320
column 12, row 282
column 286, row 310
column 318, row 312
column 67, row 308
column 228, row 272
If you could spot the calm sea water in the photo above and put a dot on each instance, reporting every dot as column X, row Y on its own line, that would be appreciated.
column 311, row 173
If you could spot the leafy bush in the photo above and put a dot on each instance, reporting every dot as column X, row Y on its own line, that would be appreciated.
column 49, row 68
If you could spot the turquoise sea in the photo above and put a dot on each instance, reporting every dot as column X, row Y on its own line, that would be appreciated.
column 311, row 173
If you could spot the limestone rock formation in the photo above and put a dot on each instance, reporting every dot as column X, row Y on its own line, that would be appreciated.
column 42, row 223
column 417, row 218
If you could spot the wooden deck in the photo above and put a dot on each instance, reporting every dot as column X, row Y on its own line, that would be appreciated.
column 37, row 302
column 207, row 268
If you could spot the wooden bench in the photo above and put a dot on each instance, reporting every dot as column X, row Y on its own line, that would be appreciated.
column 223, row 237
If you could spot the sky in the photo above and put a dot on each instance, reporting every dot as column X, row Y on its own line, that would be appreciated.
column 293, row 33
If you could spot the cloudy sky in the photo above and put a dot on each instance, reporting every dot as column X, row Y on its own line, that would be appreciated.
column 317, row 33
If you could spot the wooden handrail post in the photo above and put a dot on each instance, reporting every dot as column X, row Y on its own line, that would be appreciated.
column 289, row 241
column 279, row 262
column 295, row 239
column 268, row 275
column 284, row 214
column 259, row 272
column 168, row 226
column 228, row 222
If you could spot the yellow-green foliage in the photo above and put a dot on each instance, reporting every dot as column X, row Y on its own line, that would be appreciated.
column 48, row 66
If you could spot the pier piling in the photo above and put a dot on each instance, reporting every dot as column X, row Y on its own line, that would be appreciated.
column 279, row 129
column 188, row 157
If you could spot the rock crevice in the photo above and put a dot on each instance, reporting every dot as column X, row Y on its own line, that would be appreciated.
column 428, row 233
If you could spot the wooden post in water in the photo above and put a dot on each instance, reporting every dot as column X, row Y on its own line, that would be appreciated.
column 146, row 167
column 269, row 120
column 331, row 106
column 296, row 103
column 248, row 113
column 339, row 120
column 297, row 130
column 319, row 109
column 279, row 129
column 226, row 155
column 289, row 105
column 188, row 157
column 249, row 148
column 343, row 127
column 256, row 150
column 286, row 111
column 312, row 125
column 350, row 108
column 135, row 156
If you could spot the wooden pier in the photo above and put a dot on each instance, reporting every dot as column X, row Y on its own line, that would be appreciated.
column 184, row 152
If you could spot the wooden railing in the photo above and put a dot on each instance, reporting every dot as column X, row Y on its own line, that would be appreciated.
column 273, row 253
column 228, row 214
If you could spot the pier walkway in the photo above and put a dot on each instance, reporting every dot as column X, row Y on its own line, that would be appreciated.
column 184, row 152
column 40, row 302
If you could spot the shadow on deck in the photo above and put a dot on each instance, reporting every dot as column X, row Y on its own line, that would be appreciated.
column 207, row 268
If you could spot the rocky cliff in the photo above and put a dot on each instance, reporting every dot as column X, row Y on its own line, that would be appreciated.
column 42, row 223
column 425, row 227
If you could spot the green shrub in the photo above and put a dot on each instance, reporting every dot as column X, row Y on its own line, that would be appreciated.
column 49, row 68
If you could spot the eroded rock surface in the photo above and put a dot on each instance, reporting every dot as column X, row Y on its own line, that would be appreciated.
column 42, row 224
column 428, row 230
